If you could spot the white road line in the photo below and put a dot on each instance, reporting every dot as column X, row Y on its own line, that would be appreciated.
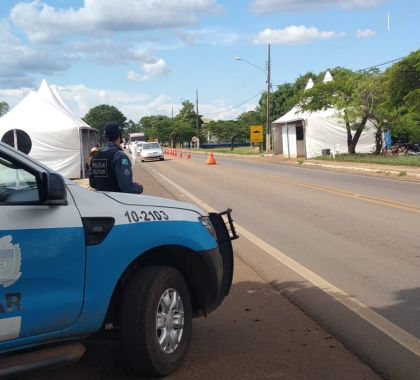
column 401, row 336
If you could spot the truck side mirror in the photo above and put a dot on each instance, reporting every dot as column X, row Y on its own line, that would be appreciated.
column 55, row 192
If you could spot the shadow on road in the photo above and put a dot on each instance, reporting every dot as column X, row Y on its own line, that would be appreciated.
column 255, row 334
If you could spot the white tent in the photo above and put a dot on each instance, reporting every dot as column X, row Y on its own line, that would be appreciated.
column 310, row 134
column 55, row 136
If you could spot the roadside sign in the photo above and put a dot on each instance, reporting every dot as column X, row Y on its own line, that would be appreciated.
column 256, row 133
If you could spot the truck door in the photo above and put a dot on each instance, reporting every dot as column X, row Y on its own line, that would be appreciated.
column 42, row 257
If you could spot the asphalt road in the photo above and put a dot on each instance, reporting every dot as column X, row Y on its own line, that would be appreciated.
column 358, row 234
column 256, row 334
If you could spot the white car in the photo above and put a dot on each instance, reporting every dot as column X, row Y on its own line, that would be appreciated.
column 151, row 151
column 140, row 146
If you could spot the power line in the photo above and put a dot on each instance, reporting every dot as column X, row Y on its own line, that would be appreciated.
column 382, row 64
column 235, row 106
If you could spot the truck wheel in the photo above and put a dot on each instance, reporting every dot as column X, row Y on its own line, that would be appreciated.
column 156, row 321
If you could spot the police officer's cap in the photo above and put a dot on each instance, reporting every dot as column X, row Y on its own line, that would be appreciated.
column 112, row 130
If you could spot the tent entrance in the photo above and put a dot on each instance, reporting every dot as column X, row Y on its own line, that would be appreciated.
column 293, row 135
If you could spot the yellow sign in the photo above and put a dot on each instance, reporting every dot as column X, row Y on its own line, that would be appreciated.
column 256, row 133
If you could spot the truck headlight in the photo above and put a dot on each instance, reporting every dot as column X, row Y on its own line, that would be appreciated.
column 205, row 221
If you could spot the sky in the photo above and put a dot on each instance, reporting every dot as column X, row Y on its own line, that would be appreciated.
column 147, row 56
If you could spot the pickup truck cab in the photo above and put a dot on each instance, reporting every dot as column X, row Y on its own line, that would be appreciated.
column 75, row 261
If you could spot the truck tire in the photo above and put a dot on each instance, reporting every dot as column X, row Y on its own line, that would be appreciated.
column 156, row 321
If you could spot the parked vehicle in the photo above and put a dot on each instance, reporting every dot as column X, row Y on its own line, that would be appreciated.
column 68, row 269
column 151, row 151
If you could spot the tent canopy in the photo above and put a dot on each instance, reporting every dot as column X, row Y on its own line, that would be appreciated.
column 324, row 129
column 56, row 136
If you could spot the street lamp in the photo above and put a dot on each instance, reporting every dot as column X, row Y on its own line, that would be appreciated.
column 268, row 81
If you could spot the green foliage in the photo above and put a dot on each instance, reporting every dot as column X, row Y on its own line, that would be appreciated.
column 156, row 127
column 402, row 87
column 4, row 108
column 403, row 78
column 240, row 150
column 186, row 123
column 357, row 97
column 131, row 127
column 229, row 130
column 98, row 116
column 284, row 97
column 375, row 159
column 250, row 118
column 174, row 131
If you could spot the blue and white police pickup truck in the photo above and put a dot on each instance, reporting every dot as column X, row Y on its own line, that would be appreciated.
column 74, row 262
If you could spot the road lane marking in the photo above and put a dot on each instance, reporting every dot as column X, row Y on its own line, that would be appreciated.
column 348, row 194
column 358, row 196
column 405, row 339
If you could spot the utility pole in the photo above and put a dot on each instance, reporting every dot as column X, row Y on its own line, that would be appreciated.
column 197, row 124
column 172, row 124
column 268, row 127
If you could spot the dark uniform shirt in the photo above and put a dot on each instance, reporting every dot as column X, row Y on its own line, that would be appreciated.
column 111, row 171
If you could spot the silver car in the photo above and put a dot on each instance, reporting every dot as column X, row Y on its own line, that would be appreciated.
column 151, row 151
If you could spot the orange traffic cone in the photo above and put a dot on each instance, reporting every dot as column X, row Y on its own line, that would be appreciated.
column 188, row 155
column 180, row 154
column 211, row 160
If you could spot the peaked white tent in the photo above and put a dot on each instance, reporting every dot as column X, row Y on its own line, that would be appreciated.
column 50, row 131
column 327, row 77
column 310, row 134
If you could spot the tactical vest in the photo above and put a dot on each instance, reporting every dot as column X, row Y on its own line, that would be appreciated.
column 104, row 174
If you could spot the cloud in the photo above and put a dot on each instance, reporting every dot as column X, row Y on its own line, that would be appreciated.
column 43, row 23
column 18, row 62
column 367, row 33
column 106, row 51
column 209, row 36
column 269, row 6
column 151, row 69
column 80, row 99
column 293, row 35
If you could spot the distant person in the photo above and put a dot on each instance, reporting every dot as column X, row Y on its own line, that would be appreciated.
column 92, row 152
column 110, row 168
column 134, row 151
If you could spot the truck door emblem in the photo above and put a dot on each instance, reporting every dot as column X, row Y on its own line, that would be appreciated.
column 10, row 261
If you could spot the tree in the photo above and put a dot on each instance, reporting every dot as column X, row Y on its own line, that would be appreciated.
column 355, row 96
column 182, row 131
column 229, row 130
column 189, row 117
column 131, row 127
column 402, row 84
column 157, row 127
column 250, row 118
column 4, row 108
column 98, row 116
column 403, row 78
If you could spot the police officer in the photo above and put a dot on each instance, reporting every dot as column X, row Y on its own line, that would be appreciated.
column 110, row 168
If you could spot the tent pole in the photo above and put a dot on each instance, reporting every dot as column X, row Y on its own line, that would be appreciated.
column 82, row 160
